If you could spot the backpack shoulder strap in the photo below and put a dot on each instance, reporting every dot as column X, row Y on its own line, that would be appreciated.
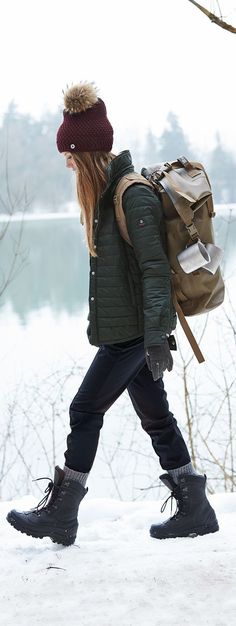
column 187, row 330
column 124, row 183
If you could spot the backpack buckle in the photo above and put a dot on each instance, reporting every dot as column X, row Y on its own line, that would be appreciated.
column 185, row 163
column 192, row 231
column 167, row 167
column 157, row 175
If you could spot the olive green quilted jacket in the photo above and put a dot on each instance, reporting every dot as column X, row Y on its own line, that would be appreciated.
column 130, row 288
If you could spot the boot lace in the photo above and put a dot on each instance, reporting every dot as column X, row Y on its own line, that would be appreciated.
column 43, row 503
column 180, row 504
column 171, row 498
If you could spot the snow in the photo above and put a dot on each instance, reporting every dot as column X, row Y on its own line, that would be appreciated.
column 116, row 574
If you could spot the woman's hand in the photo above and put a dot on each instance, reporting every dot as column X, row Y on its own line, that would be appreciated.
column 159, row 358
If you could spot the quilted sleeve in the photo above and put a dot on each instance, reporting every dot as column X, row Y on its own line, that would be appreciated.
column 145, row 225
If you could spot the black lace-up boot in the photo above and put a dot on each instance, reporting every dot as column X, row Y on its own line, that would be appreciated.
column 56, row 514
column 194, row 514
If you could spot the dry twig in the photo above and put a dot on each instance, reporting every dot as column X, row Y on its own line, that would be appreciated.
column 214, row 18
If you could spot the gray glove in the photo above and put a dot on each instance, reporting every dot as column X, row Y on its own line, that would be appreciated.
column 159, row 358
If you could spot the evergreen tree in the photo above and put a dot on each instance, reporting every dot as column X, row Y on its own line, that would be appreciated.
column 173, row 143
column 222, row 172
column 30, row 161
column 151, row 154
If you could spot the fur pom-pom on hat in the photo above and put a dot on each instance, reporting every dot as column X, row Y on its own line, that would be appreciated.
column 80, row 97
column 85, row 127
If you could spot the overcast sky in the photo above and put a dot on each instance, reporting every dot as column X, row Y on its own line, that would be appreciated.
column 146, row 56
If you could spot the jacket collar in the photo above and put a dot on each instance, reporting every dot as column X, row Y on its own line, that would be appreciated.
column 119, row 166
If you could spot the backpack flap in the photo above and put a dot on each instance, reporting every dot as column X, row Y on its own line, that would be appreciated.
column 180, row 185
column 187, row 186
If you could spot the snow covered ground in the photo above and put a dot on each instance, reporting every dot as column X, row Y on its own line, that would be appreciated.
column 115, row 574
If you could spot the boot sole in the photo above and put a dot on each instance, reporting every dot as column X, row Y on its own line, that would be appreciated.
column 62, row 539
column 198, row 531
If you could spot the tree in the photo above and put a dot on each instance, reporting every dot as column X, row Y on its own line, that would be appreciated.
column 29, row 150
column 173, row 142
column 222, row 173
column 10, row 202
column 151, row 153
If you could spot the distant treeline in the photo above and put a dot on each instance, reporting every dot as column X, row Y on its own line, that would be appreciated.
column 32, row 172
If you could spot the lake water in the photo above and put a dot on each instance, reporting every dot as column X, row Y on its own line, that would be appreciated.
column 45, row 353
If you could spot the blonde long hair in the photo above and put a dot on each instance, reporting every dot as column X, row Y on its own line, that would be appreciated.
column 90, row 183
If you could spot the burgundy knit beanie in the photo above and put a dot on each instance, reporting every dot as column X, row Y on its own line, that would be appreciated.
column 85, row 127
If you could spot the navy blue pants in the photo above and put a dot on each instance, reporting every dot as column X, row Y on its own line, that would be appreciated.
column 115, row 368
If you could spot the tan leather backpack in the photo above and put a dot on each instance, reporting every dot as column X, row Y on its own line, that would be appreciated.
column 185, row 193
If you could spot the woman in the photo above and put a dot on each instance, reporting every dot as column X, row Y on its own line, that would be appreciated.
column 131, row 318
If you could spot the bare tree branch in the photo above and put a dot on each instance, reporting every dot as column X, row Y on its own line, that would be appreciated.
column 214, row 18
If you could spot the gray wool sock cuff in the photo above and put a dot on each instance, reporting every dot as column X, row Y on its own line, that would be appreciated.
column 179, row 471
column 73, row 475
